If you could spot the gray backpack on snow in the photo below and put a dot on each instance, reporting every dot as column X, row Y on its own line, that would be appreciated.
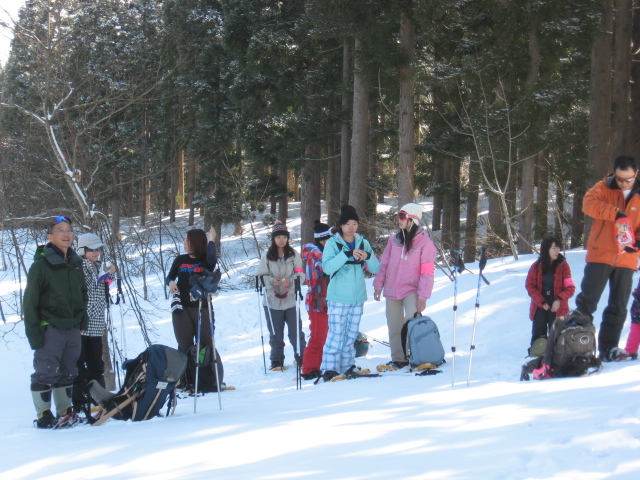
column 423, row 339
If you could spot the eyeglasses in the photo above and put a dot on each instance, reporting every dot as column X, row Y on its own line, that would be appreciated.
column 87, row 249
column 625, row 180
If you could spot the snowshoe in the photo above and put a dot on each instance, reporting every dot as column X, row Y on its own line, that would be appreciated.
column 70, row 419
column 424, row 366
column 277, row 367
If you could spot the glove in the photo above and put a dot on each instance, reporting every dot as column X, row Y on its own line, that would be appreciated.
column 633, row 248
column 621, row 215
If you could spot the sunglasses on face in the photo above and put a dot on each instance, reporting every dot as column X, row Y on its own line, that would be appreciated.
column 625, row 180
column 403, row 215
column 87, row 250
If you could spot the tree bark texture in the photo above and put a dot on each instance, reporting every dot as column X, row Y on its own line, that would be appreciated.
column 406, row 128
column 345, row 129
column 621, row 81
column 600, row 95
column 526, row 207
column 359, row 140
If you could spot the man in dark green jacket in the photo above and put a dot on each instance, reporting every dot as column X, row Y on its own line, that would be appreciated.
column 55, row 300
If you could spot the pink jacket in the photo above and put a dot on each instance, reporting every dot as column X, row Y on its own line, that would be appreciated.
column 402, row 274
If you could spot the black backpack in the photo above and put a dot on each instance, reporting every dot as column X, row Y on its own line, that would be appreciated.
column 151, row 378
column 571, row 348
column 207, row 374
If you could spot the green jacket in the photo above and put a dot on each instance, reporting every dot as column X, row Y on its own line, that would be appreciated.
column 56, row 294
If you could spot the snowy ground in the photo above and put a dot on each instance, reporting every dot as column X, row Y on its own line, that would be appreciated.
column 396, row 427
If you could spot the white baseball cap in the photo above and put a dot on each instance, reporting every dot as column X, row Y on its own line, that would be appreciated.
column 89, row 240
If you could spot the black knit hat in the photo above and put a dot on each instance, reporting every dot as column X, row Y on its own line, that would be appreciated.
column 347, row 212
column 321, row 230
column 279, row 229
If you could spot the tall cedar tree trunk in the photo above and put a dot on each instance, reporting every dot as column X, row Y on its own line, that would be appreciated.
column 144, row 172
column 621, row 82
column 283, row 201
column 471, row 227
column 526, row 207
column 542, row 198
column 115, row 205
column 446, row 206
column 525, row 233
column 359, row 140
column 332, row 181
column 496, row 224
column 180, row 173
column 174, row 189
column 558, row 217
column 345, row 130
column 406, row 129
column 455, row 204
column 600, row 95
column 577, row 223
column 191, row 190
column 310, row 181
column 635, row 87
column 438, row 196
column 374, row 162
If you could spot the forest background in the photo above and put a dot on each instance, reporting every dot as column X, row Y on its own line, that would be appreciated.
column 137, row 108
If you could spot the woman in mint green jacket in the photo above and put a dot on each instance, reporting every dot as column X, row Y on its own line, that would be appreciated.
column 345, row 257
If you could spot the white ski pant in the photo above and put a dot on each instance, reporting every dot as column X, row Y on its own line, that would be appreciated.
column 344, row 322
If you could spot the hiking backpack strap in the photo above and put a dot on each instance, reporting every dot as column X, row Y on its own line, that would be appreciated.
column 348, row 262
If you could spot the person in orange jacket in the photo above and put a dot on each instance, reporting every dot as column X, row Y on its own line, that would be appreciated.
column 611, row 202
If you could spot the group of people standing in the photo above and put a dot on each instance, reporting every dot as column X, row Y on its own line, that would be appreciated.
column 611, row 259
column 64, row 311
column 65, row 297
column 334, row 268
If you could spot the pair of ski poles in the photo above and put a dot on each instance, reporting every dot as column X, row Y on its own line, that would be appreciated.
column 458, row 268
column 209, row 300
column 298, row 293
column 115, row 347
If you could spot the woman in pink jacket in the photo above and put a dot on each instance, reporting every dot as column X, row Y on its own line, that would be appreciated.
column 406, row 276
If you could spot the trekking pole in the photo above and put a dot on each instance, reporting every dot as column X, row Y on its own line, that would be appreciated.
column 259, row 294
column 458, row 267
column 481, row 265
column 213, row 346
column 298, row 294
column 195, row 393
column 268, row 311
column 114, row 346
column 119, row 302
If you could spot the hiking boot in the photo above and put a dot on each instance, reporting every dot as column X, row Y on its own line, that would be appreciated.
column 70, row 419
column 354, row 371
column 397, row 365
column 45, row 420
column 329, row 374
column 614, row 354
column 275, row 366
column 312, row 375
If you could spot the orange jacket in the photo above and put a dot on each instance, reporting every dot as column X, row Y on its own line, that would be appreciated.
column 602, row 202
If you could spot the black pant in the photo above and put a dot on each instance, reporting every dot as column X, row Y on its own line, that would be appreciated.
column 596, row 277
column 90, row 367
column 541, row 324
column 185, row 327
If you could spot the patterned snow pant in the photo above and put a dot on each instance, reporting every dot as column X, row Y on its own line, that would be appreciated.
column 344, row 323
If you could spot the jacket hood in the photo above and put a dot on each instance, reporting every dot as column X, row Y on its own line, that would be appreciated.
column 50, row 253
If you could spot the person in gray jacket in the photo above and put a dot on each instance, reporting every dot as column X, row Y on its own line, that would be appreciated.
column 279, row 267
